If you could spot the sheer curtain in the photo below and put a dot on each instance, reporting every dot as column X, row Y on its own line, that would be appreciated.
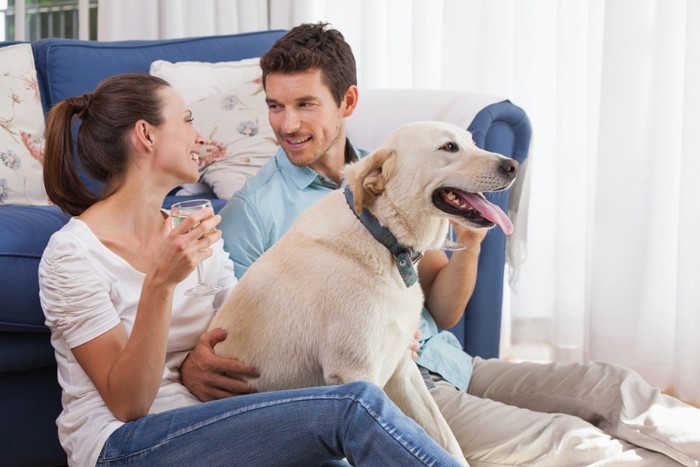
column 614, row 199
column 165, row 19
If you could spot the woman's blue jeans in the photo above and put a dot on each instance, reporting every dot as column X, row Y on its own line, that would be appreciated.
column 304, row 427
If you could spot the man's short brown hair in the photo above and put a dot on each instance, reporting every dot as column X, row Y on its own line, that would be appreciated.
column 313, row 46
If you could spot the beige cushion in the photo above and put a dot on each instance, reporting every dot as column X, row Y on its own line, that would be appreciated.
column 21, row 129
column 239, row 137
column 197, row 80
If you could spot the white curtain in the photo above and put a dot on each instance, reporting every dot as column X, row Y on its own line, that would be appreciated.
column 611, row 88
column 165, row 19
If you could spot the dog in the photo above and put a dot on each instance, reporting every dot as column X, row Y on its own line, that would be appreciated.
column 330, row 304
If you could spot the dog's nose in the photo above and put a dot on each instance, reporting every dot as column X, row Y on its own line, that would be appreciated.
column 509, row 167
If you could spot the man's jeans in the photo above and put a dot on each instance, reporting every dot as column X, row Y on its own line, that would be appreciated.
column 302, row 427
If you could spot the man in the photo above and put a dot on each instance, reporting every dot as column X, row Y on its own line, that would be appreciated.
column 307, row 111
column 310, row 84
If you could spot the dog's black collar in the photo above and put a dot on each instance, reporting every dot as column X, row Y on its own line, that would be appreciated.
column 405, row 257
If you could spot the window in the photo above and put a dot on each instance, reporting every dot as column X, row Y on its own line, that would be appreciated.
column 30, row 20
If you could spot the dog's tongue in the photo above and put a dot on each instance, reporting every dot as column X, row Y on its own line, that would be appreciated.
column 490, row 211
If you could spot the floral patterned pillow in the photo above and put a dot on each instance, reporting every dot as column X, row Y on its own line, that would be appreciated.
column 21, row 129
column 197, row 80
column 239, row 137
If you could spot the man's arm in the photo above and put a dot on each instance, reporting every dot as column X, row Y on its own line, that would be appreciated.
column 205, row 374
column 210, row 377
column 448, row 284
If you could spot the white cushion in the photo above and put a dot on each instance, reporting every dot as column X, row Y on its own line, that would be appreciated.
column 197, row 80
column 239, row 137
column 229, row 109
column 21, row 129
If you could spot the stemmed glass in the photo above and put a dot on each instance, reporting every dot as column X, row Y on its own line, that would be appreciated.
column 449, row 244
column 178, row 213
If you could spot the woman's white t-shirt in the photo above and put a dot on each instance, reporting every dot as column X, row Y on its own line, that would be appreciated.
column 86, row 290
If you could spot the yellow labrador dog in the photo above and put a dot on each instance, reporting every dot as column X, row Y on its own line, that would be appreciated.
column 330, row 303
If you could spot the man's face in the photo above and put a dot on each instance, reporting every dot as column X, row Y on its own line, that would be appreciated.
column 304, row 116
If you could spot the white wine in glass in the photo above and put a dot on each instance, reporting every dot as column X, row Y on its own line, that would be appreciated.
column 178, row 213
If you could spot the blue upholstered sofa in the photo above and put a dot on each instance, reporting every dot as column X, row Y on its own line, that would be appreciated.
column 29, row 392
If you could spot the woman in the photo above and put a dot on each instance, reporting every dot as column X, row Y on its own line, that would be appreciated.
column 112, row 283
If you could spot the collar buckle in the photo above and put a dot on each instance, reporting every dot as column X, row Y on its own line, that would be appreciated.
column 405, row 257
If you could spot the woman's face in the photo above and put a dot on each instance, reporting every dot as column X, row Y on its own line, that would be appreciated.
column 176, row 141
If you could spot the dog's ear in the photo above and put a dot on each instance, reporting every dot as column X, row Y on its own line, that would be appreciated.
column 370, row 181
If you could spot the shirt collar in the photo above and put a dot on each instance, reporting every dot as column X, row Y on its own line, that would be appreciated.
column 303, row 177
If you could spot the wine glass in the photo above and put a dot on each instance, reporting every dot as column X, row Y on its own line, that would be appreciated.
column 449, row 244
column 178, row 213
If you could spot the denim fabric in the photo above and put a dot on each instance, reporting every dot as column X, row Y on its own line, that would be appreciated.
column 302, row 427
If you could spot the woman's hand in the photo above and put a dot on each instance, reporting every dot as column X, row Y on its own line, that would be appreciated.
column 210, row 377
column 186, row 246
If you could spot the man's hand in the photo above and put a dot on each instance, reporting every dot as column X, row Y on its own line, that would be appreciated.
column 415, row 345
column 469, row 237
column 210, row 377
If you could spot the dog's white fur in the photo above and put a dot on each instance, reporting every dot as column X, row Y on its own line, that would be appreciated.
column 326, row 305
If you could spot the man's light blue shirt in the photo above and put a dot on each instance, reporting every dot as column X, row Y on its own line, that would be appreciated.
column 268, row 204
column 266, row 207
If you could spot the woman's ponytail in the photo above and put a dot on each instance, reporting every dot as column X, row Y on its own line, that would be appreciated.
column 103, row 149
column 61, row 180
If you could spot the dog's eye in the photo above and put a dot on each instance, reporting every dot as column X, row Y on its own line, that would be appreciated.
column 450, row 147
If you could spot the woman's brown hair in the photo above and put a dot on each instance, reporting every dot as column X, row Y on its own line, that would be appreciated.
column 106, row 115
